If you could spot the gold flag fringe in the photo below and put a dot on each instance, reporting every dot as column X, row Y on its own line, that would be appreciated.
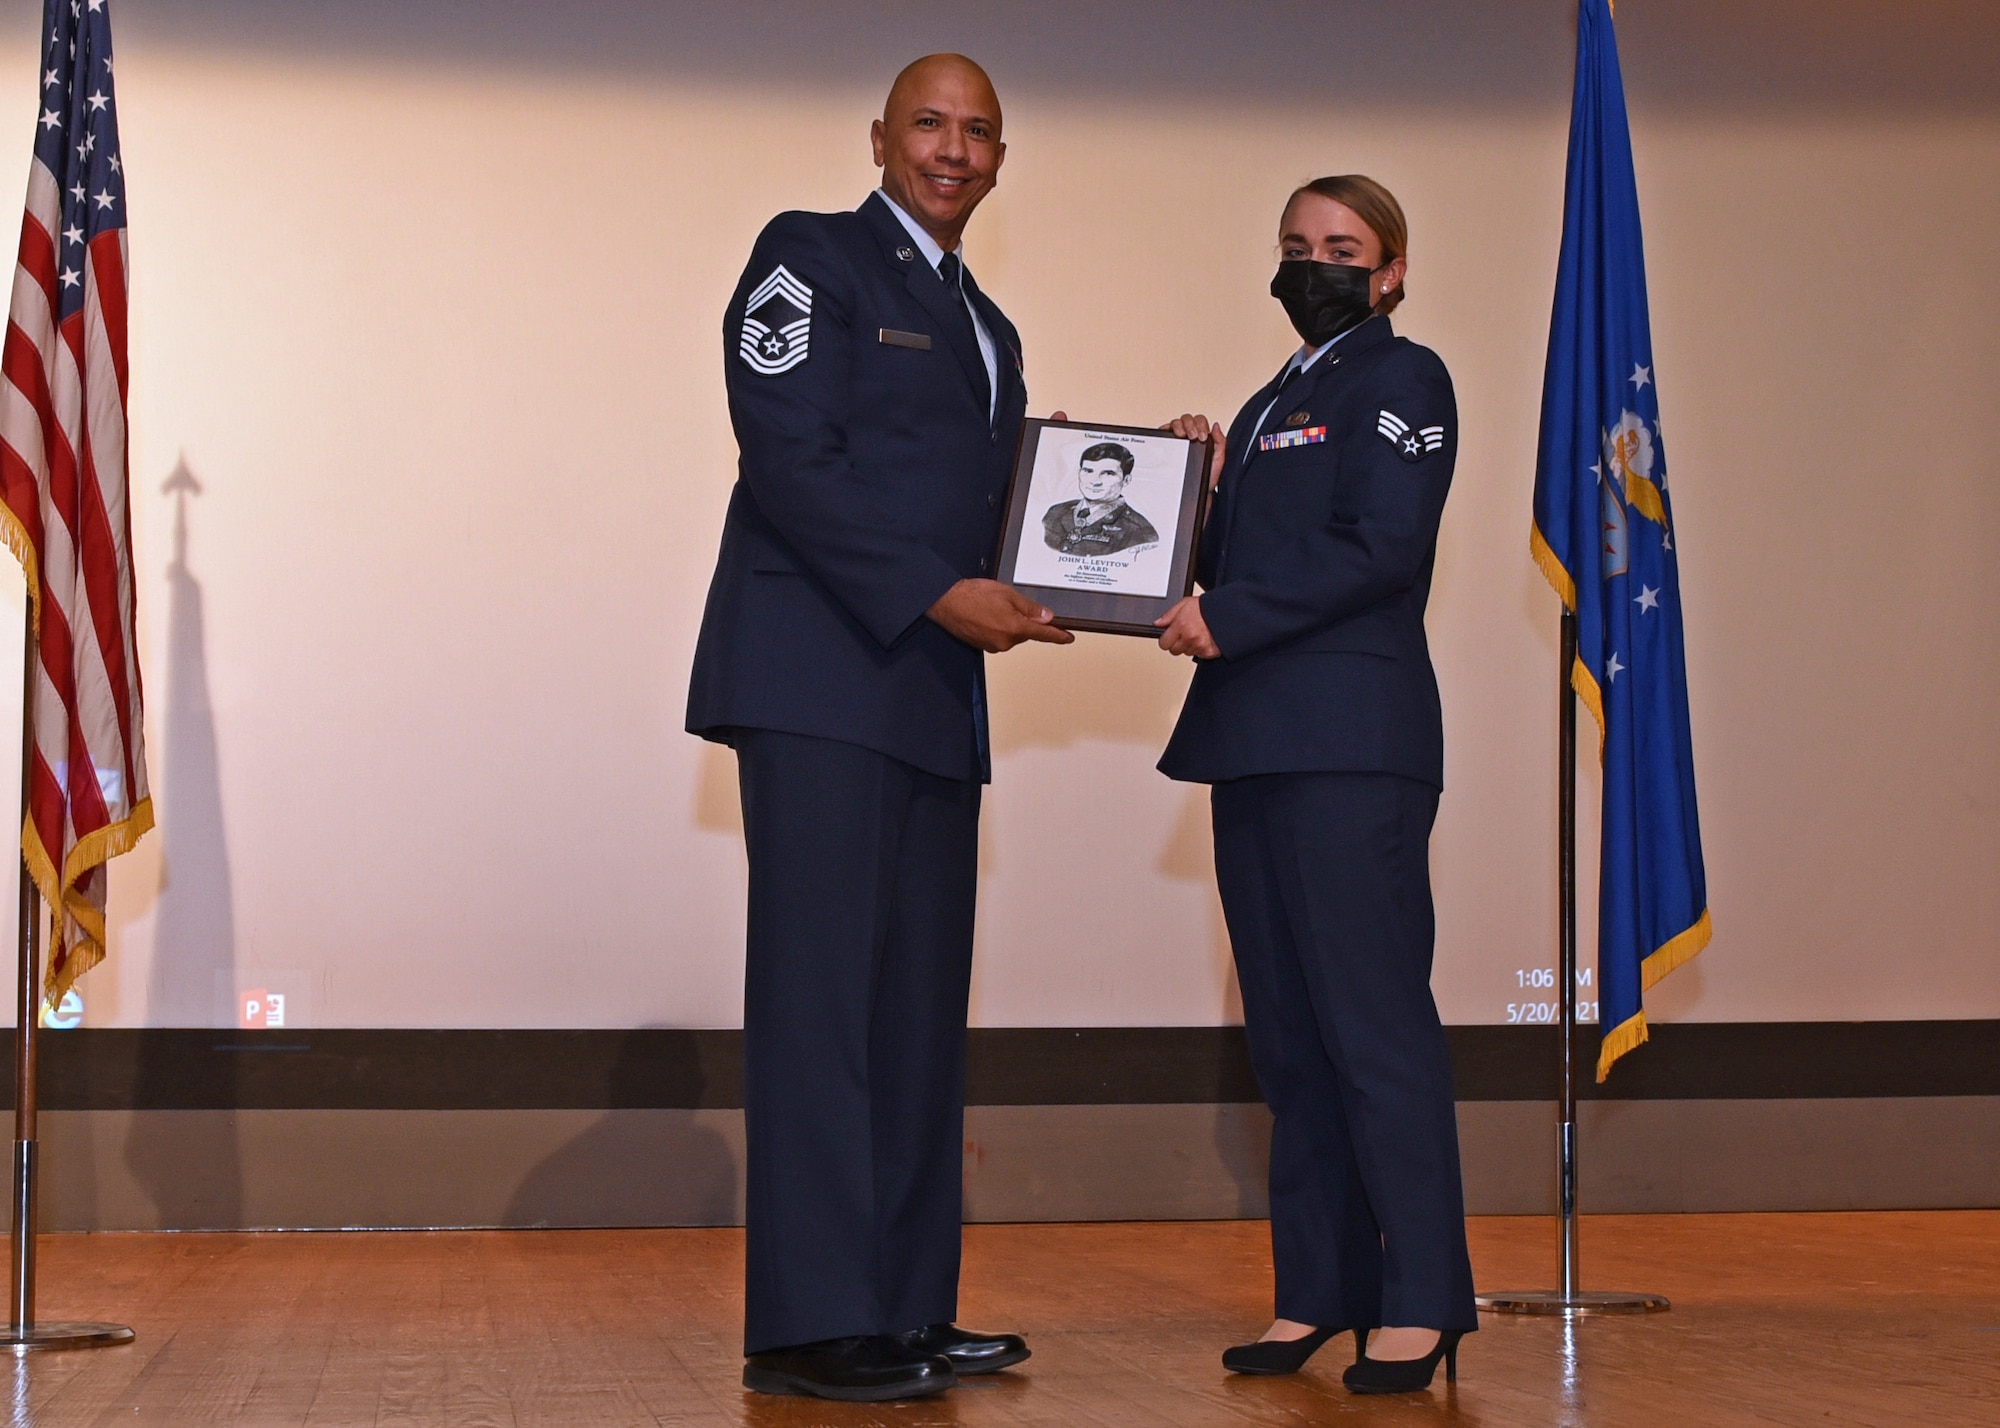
column 23, row 546
column 67, row 962
column 1580, row 677
column 1671, row 954
column 1676, row 950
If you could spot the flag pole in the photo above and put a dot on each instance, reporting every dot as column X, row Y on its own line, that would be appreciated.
column 1570, row 1298
column 22, row 1334
column 1566, row 954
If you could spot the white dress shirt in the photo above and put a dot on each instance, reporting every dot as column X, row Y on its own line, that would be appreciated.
column 934, row 255
column 1301, row 361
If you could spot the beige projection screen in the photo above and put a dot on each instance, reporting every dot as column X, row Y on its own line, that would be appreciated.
column 428, row 319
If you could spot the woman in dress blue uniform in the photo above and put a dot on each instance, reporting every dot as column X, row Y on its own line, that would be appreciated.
column 1314, row 716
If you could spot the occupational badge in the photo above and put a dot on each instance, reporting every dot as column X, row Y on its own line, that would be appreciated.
column 777, row 322
column 1412, row 444
column 1298, row 418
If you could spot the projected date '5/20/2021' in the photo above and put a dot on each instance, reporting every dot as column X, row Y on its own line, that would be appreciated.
column 1543, row 979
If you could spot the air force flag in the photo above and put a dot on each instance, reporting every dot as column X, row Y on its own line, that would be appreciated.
column 1604, row 537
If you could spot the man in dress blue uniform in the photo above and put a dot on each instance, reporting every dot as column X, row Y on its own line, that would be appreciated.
column 1099, row 522
column 877, row 395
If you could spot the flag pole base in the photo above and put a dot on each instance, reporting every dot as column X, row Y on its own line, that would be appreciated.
column 1554, row 1301
column 36, row 1338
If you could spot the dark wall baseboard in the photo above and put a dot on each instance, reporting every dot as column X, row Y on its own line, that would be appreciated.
column 108, row 1069
column 325, row 1169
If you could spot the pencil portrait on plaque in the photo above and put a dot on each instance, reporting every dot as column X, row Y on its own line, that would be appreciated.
column 1107, row 514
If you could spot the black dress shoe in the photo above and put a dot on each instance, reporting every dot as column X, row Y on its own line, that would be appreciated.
column 1404, row 1375
column 1276, row 1356
column 869, row 1368
column 967, row 1351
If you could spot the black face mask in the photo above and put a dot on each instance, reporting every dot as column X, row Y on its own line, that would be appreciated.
column 1323, row 300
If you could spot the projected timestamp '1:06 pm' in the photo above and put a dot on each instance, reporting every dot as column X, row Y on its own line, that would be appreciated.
column 1543, row 979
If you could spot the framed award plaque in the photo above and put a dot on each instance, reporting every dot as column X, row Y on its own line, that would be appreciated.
column 1102, row 522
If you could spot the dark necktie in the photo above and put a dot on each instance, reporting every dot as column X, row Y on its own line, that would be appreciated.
column 1292, row 375
column 1227, row 494
column 953, row 273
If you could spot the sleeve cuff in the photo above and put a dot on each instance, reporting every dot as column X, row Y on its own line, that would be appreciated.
column 1223, row 627
column 903, row 615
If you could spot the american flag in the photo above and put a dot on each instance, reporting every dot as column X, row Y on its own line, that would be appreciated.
column 63, row 491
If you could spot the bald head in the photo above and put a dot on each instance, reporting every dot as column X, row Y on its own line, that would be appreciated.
column 918, row 78
column 938, row 143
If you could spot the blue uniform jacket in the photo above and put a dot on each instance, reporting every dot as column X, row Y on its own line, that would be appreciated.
column 1316, row 566
column 870, row 481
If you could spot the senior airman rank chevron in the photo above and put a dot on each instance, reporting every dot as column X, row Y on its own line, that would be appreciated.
column 777, row 321
column 1410, row 445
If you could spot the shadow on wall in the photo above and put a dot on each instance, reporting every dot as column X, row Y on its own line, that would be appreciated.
column 1708, row 56
column 640, row 1167
column 1112, row 687
column 718, row 807
column 1243, row 1145
column 1189, row 853
column 188, row 1165
column 1189, row 856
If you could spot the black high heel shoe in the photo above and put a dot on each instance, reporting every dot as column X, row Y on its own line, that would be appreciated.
column 1276, row 1356
column 1404, row 1375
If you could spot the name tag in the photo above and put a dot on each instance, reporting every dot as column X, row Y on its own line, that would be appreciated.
column 921, row 341
column 1279, row 440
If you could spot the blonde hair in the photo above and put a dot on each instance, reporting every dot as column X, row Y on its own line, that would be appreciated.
column 1376, row 207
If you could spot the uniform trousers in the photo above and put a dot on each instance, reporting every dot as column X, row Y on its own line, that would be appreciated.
column 1325, row 883
column 859, row 965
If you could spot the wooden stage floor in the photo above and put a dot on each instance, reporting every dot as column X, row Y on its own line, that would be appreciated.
column 1837, row 1319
